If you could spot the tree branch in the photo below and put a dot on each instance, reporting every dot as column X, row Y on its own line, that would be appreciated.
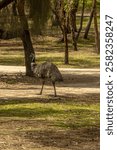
column 4, row 3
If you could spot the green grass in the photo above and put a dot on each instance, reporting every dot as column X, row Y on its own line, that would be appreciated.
column 67, row 115
column 48, row 49
column 77, row 59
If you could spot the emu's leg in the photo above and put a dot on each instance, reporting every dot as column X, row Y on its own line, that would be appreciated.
column 54, row 89
column 43, row 82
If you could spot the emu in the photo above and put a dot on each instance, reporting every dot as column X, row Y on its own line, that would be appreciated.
column 47, row 71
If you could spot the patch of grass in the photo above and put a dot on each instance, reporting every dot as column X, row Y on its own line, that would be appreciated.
column 79, row 59
column 62, row 115
column 48, row 48
column 11, row 60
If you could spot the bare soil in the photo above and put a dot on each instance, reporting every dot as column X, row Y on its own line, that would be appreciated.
column 80, row 85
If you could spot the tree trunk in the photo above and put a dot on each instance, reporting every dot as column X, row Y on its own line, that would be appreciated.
column 97, row 40
column 73, row 24
column 66, row 46
column 66, row 61
column 28, row 51
column 89, row 23
column 81, row 20
column 68, row 25
column 26, row 39
column 75, row 34
column 74, row 42
column 60, row 13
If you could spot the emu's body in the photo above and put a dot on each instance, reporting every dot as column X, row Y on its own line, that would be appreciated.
column 47, row 71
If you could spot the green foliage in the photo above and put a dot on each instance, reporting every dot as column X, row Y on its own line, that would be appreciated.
column 39, row 12
column 7, row 19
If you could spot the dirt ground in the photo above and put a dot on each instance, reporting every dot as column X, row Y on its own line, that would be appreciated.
column 82, row 84
column 76, row 82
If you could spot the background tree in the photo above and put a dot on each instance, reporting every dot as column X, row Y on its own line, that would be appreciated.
column 72, row 11
column 73, row 7
column 89, row 22
column 39, row 13
column 58, row 7
column 97, row 40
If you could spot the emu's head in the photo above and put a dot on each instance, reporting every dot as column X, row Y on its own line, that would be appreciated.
column 33, row 65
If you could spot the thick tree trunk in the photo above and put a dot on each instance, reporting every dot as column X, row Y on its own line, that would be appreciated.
column 26, row 39
column 97, row 40
column 28, row 51
column 89, row 23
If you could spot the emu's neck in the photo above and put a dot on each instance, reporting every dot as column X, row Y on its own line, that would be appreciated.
column 33, row 66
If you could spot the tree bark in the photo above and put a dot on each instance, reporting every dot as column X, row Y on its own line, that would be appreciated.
column 26, row 39
column 97, row 40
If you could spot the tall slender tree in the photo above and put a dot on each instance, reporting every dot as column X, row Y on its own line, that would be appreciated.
column 59, row 9
column 74, row 31
column 73, row 7
column 89, row 21
column 97, row 40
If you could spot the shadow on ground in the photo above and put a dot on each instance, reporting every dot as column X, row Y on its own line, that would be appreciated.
column 70, row 80
column 89, row 98
column 85, row 138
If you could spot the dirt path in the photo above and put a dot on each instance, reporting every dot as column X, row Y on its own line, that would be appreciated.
column 76, row 81
column 19, row 69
